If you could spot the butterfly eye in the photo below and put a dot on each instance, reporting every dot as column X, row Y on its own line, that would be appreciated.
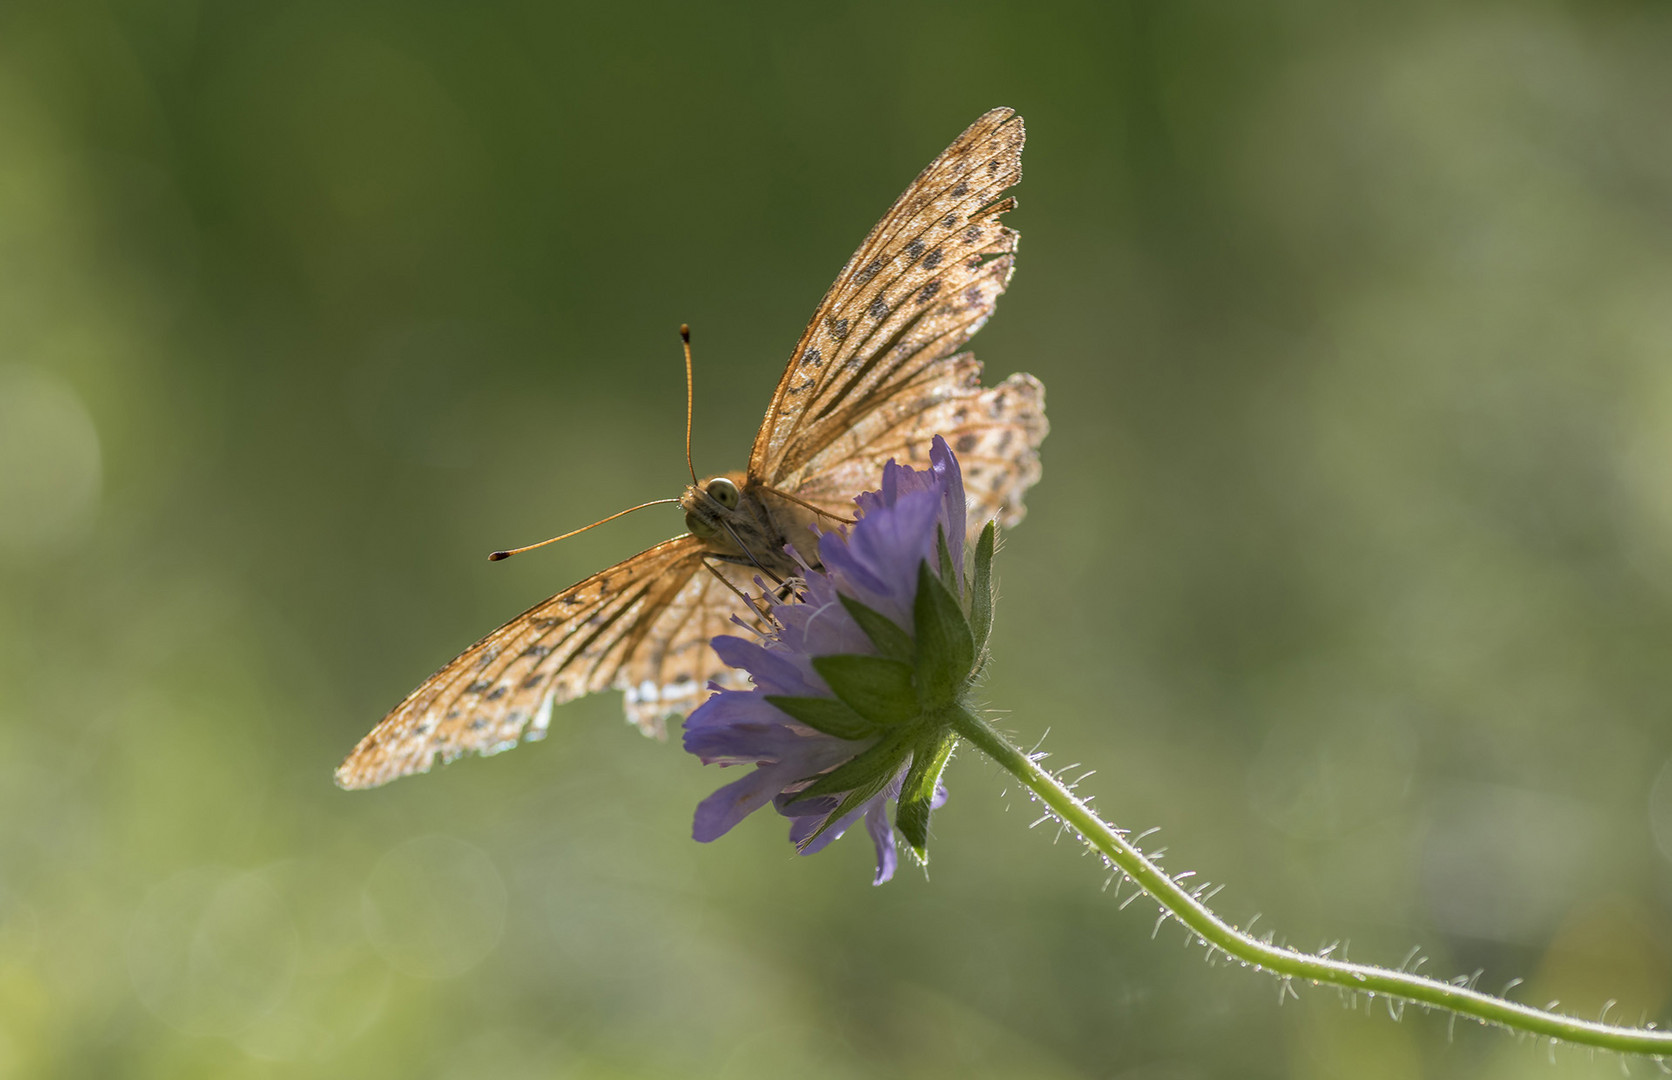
column 724, row 492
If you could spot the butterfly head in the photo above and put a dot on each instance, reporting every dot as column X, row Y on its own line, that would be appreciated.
column 729, row 516
column 716, row 508
column 708, row 503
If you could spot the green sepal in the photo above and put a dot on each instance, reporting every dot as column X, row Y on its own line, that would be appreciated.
column 857, row 797
column 862, row 771
column 878, row 689
column 981, row 586
column 944, row 555
column 891, row 641
column 945, row 645
column 917, row 792
column 829, row 715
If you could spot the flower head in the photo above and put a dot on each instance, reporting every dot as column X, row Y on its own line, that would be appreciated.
column 851, row 692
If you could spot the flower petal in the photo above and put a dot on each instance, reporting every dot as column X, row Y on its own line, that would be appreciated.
column 954, row 510
column 820, row 627
column 882, row 835
column 717, row 814
column 806, row 818
column 879, row 561
column 731, row 729
column 771, row 670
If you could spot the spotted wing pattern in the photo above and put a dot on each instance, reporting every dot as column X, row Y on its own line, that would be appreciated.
column 613, row 626
column 668, row 674
column 925, row 279
column 996, row 432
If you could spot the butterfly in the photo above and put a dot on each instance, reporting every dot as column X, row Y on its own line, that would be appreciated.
column 875, row 375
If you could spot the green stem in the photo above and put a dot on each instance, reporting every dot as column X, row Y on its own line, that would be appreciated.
column 1284, row 962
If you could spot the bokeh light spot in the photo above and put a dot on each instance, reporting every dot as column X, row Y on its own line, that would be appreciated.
column 212, row 950
column 434, row 907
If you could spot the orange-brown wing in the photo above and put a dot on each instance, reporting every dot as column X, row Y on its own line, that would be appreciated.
column 502, row 688
column 995, row 432
column 926, row 279
column 668, row 675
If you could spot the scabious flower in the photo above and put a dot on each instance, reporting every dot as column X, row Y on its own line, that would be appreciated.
column 854, row 690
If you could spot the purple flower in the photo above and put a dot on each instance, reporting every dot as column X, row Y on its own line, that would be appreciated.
column 848, row 709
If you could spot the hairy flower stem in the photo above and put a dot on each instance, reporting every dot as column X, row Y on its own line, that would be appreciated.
column 1289, row 963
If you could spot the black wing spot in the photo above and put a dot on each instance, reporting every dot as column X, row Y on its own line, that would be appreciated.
column 537, row 651
column 933, row 260
column 961, row 190
column 967, row 442
column 972, row 234
column 812, row 358
column 839, row 329
column 927, row 293
column 950, row 221
column 868, row 273
column 914, row 249
column 478, row 686
column 879, row 309
column 499, row 692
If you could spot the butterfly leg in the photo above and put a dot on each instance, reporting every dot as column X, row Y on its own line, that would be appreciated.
column 764, row 613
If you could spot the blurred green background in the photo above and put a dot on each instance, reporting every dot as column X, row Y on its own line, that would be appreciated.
column 1351, row 567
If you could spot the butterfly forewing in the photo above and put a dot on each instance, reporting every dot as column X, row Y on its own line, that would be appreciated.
column 924, row 280
column 501, row 688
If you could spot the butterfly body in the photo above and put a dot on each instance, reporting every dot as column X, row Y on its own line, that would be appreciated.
column 742, row 524
column 876, row 374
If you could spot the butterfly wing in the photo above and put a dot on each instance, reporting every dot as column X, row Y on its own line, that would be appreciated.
column 668, row 673
column 878, row 370
column 995, row 431
column 624, row 624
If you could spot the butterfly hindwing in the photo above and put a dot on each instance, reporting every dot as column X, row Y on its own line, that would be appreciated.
column 669, row 673
column 995, row 431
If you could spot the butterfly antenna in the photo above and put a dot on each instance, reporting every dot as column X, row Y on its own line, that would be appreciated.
column 498, row 555
column 690, row 393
